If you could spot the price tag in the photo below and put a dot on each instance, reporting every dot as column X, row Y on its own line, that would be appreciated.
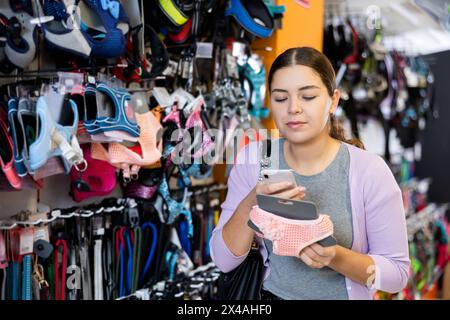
column 26, row 241
column 162, row 96
column 204, row 50
column 71, row 82
column 180, row 68
column 185, row 69
column 238, row 49
column 171, row 69
column 41, row 233
column 232, row 68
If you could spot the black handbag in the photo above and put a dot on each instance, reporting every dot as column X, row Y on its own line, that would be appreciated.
column 244, row 282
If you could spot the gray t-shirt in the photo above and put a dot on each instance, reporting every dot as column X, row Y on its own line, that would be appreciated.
column 289, row 277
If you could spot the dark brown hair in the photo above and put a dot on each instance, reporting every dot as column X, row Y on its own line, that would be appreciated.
column 314, row 59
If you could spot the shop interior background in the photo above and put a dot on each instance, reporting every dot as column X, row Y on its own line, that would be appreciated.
column 411, row 132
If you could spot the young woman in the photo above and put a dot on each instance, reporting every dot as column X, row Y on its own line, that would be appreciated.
column 354, row 187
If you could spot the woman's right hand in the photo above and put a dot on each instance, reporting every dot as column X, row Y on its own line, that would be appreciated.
column 285, row 190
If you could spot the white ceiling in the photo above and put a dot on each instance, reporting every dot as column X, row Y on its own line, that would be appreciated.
column 406, row 26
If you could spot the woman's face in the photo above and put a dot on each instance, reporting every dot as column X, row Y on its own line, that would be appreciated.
column 300, row 103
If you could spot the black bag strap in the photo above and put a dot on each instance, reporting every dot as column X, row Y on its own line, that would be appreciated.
column 267, row 146
column 266, row 151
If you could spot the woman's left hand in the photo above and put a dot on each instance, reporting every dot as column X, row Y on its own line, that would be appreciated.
column 316, row 256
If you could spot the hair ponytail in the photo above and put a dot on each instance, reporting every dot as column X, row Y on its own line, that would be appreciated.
column 337, row 132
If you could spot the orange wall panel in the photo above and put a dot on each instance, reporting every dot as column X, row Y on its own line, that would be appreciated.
column 300, row 27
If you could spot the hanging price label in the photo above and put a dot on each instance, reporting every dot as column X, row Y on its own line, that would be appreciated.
column 186, row 68
column 238, row 49
column 70, row 82
column 232, row 68
column 162, row 96
column 171, row 69
column 204, row 50
column 26, row 241
column 41, row 233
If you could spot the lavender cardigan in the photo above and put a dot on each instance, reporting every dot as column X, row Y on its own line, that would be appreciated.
column 379, row 226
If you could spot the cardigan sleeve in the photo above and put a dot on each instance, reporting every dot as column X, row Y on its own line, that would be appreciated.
column 386, row 228
column 243, row 178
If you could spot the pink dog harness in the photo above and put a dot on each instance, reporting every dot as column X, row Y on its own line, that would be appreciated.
column 290, row 236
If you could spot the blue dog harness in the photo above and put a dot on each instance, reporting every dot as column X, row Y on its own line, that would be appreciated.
column 123, row 115
column 55, row 139
column 236, row 9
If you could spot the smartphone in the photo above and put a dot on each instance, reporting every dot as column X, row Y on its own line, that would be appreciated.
column 275, row 176
column 290, row 209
